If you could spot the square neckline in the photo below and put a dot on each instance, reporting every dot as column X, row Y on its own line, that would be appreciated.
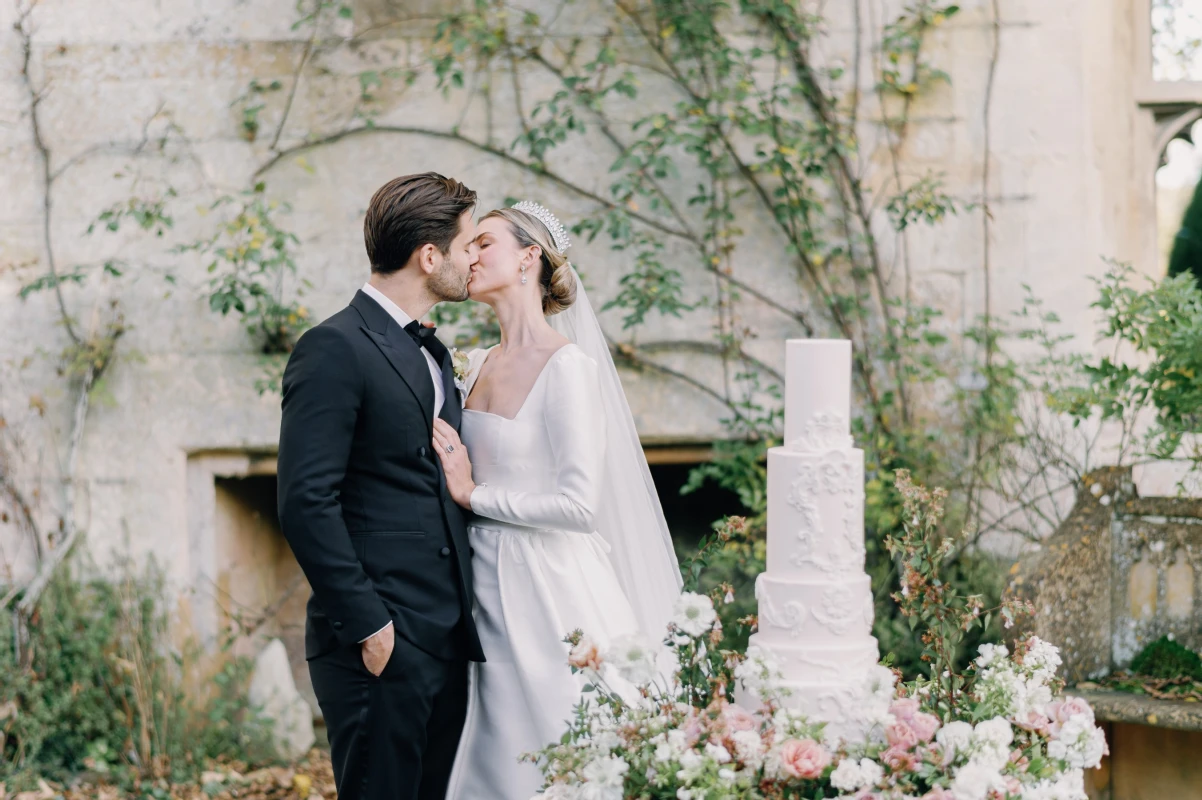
column 529, row 393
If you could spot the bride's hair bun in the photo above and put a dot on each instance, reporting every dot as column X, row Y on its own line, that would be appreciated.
column 559, row 292
column 555, row 277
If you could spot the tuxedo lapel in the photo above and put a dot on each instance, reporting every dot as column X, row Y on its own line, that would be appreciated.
column 400, row 350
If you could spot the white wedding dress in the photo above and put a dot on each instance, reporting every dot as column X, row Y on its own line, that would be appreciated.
column 541, row 571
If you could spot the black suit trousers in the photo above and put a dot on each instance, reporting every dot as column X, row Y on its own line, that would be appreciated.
column 392, row 737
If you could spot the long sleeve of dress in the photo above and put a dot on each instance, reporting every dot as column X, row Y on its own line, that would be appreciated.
column 576, row 427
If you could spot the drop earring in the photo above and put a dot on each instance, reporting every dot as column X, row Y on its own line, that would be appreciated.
column 523, row 274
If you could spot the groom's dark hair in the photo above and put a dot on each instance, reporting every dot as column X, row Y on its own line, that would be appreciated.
column 411, row 211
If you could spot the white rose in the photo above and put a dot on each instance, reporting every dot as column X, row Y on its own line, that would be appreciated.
column 749, row 747
column 847, row 777
column 608, row 771
column 634, row 659
column 974, row 780
column 694, row 614
column 871, row 772
column 996, row 731
column 954, row 737
column 1080, row 743
column 717, row 752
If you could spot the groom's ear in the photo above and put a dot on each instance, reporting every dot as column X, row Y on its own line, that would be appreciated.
column 428, row 258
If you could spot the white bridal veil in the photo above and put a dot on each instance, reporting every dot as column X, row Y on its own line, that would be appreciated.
column 630, row 518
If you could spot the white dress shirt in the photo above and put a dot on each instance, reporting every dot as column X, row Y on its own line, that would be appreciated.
column 403, row 319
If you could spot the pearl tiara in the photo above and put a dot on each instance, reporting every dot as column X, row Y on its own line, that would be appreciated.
column 559, row 235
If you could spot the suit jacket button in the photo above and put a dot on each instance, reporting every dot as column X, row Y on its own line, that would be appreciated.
column 421, row 451
column 444, row 552
column 471, row 551
column 337, row 626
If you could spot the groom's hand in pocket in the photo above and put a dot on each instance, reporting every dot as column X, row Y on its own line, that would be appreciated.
column 377, row 650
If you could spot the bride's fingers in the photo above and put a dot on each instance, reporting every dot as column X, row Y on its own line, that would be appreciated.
column 448, row 433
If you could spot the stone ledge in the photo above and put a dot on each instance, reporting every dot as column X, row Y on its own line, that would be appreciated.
column 1109, row 706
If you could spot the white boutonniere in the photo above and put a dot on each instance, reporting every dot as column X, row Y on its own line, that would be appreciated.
column 459, row 366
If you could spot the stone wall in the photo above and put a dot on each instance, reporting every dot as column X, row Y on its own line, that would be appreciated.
column 1121, row 572
column 141, row 95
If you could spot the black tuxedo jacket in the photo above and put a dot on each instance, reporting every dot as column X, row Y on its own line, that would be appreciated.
column 362, row 497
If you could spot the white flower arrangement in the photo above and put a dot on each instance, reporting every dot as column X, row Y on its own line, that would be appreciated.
column 683, row 738
column 460, row 365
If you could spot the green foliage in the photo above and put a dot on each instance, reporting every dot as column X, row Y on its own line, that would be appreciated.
column 252, row 258
column 1186, row 256
column 147, row 214
column 1165, row 658
column 933, row 606
column 99, row 686
column 251, row 104
column 1153, row 361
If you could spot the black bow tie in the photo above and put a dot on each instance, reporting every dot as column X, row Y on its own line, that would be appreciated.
column 424, row 337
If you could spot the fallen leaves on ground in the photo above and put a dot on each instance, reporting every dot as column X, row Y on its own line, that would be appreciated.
column 312, row 778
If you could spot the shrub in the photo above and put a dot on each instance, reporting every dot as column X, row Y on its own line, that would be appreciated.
column 98, row 685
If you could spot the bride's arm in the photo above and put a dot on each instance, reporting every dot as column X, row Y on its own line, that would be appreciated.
column 576, row 428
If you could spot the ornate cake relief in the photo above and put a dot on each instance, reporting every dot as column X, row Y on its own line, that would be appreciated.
column 791, row 617
column 838, row 612
column 808, row 532
column 839, row 473
column 869, row 611
column 825, row 430
column 830, row 669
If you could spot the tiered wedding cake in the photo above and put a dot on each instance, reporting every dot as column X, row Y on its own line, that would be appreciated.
column 815, row 600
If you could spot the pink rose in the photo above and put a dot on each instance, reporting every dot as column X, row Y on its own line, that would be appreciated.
column 692, row 727
column 904, row 708
column 901, row 735
column 938, row 793
column 804, row 758
column 1013, row 785
column 738, row 718
column 1061, row 711
column 900, row 760
column 1034, row 722
column 585, row 655
column 924, row 726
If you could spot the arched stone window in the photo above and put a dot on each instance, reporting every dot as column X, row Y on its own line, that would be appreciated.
column 1169, row 84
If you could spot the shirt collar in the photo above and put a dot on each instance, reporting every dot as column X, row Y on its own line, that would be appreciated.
column 394, row 311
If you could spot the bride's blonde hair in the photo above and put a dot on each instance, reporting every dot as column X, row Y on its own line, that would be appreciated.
column 555, row 277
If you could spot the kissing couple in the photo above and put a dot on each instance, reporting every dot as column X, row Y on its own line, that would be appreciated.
column 457, row 520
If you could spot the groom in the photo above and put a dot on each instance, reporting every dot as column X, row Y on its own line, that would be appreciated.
column 364, row 505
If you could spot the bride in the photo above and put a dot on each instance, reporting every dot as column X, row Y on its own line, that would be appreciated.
column 568, row 531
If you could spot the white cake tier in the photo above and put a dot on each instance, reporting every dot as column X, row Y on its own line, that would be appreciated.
column 817, row 394
column 815, row 513
column 832, row 684
column 815, row 613
column 805, row 664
